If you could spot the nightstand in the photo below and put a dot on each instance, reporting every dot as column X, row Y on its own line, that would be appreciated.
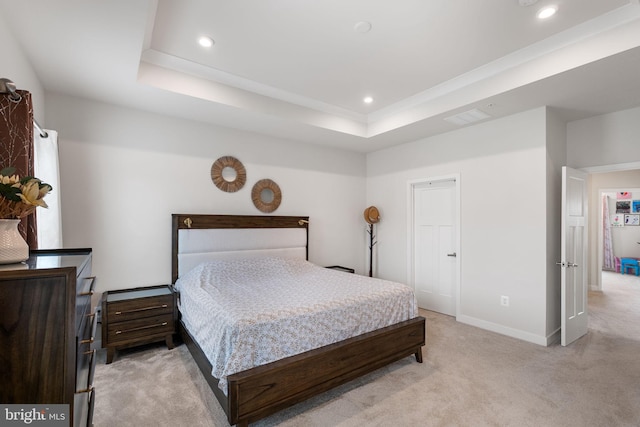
column 132, row 317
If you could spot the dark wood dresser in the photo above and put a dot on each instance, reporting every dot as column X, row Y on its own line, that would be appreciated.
column 47, row 326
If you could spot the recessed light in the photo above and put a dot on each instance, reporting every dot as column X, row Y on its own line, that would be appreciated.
column 205, row 41
column 367, row 100
column 547, row 12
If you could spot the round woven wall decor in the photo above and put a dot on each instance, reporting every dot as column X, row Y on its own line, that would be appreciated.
column 226, row 184
column 266, row 195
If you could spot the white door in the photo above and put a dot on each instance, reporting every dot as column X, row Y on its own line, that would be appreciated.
column 435, row 266
column 574, row 255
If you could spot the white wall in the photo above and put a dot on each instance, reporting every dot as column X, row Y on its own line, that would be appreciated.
column 502, row 165
column 608, row 139
column 16, row 67
column 124, row 172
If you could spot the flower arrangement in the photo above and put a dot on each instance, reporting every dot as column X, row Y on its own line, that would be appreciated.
column 20, row 197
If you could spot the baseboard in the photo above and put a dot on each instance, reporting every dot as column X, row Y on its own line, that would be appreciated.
column 554, row 337
column 504, row 330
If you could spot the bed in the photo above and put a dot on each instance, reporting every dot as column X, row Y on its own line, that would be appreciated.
column 203, row 243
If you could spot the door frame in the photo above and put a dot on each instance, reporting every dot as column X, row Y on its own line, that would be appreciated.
column 595, row 260
column 411, row 185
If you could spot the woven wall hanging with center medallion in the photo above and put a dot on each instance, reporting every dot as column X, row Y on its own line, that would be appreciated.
column 266, row 195
column 228, row 174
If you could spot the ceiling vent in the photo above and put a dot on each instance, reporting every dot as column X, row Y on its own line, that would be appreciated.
column 467, row 117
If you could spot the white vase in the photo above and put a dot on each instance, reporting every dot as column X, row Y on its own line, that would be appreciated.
column 13, row 248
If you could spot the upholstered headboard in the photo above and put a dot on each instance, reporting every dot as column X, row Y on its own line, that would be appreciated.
column 197, row 238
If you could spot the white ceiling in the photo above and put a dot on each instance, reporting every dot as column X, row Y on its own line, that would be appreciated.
column 299, row 70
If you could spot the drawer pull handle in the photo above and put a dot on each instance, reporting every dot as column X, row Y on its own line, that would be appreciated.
column 93, row 281
column 140, row 328
column 91, row 352
column 155, row 307
column 89, row 341
column 86, row 390
column 93, row 330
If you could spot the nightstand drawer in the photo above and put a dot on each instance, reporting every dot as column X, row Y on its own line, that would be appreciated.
column 139, row 328
column 140, row 308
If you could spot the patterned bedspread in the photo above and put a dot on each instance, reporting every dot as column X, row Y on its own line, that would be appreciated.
column 249, row 312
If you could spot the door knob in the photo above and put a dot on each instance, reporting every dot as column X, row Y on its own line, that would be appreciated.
column 453, row 254
column 568, row 264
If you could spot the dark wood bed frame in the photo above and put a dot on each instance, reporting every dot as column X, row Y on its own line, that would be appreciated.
column 261, row 391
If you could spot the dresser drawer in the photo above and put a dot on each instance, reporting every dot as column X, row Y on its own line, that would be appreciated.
column 85, row 356
column 139, row 308
column 141, row 328
column 86, row 288
column 84, row 397
column 84, row 403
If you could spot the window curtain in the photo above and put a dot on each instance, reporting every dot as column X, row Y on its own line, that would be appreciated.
column 608, row 261
column 47, row 169
column 16, row 149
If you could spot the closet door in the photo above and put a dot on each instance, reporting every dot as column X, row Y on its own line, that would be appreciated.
column 435, row 266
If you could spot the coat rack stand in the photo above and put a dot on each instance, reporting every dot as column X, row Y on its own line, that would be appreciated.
column 371, row 216
column 372, row 242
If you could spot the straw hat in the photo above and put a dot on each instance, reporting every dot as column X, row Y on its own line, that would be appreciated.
column 371, row 215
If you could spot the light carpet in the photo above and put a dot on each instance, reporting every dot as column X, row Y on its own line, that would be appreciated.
column 470, row 377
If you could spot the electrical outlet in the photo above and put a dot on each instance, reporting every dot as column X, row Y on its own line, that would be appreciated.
column 504, row 301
